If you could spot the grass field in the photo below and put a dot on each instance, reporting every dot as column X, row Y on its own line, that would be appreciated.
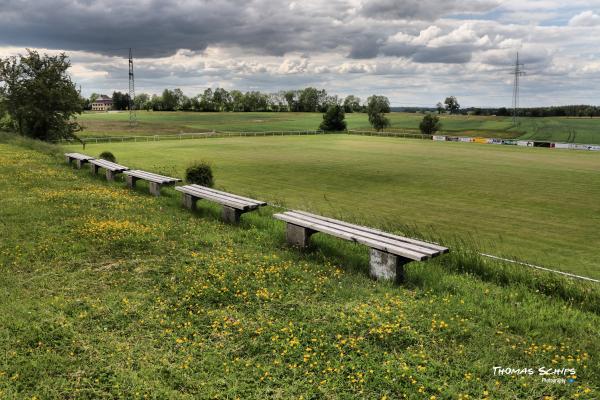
column 112, row 293
column 534, row 204
column 576, row 130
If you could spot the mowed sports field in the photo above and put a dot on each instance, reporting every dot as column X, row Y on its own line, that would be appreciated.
column 572, row 130
column 535, row 204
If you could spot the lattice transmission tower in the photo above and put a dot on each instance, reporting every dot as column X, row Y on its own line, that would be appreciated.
column 132, row 115
column 518, row 72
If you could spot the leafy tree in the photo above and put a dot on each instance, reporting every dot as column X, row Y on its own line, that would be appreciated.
column 440, row 107
column 120, row 101
column 309, row 99
column 377, row 106
column 292, row 99
column 237, row 100
column 452, row 104
column 333, row 119
column 221, row 99
column 430, row 124
column 38, row 94
column 141, row 101
column 170, row 100
column 352, row 104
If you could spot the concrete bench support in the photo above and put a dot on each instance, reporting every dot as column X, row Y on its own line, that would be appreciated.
column 154, row 188
column 189, row 201
column 231, row 215
column 110, row 175
column 80, row 163
column 386, row 266
column 94, row 169
column 131, row 180
column 298, row 235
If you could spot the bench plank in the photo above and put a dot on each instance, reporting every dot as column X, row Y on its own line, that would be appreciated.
column 369, row 235
column 149, row 176
column 108, row 165
column 238, row 202
column 413, row 255
column 79, row 156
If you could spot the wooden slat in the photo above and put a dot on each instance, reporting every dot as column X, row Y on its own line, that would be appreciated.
column 432, row 246
column 78, row 156
column 149, row 176
column 257, row 202
column 228, row 201
column 108, row 165
column 355, row 238
column 352, row 231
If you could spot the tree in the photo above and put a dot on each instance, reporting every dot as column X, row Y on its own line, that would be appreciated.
column 377, row 106
column 333, row 119
column 38, row 94
column 440, row 107
column 351, row 104
column 452, row 104
column 120, row 101
column 170, row 100
column 141, row 101
column 430, row 124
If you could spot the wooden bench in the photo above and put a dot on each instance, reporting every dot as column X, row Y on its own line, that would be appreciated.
column 388, row 253
column 110, row 167
column 233, row 205
column 155, row 181
column 80, row 158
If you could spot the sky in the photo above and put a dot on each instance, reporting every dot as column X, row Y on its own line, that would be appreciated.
column 415, row 52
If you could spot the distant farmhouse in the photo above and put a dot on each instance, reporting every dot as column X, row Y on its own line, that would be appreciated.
column 102, row 103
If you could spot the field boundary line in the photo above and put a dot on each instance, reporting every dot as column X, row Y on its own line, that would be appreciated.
column 540, row 268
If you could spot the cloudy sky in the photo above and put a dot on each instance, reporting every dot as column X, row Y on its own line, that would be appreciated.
column 416, row 52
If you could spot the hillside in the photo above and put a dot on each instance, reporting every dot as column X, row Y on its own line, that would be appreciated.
column 560, row 129
column 112, row 293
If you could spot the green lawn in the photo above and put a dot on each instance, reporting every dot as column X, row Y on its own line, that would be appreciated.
column 536, row 204
column 112, row 293
column 577, row 130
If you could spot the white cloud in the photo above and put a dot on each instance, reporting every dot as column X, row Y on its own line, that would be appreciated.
column 586, row 18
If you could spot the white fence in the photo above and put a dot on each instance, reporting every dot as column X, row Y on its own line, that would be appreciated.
column 184, row 136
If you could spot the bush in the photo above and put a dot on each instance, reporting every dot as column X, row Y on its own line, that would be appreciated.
column 200, row 173
column 108, row 156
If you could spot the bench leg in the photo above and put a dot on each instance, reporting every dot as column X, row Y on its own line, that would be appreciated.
column 154, row 188
column 386, row 266
column 131, row 180
column 189, row 201
column 80, row 164
column 110, row 175
column 68, row 159
column 94, row 169
column 231, row 215
column 297, row 235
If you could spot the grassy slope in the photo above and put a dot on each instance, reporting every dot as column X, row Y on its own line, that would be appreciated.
column 111, row 293
column 578, row 130
column 538, row 204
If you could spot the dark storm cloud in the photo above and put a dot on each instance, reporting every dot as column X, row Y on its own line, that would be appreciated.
column 157, row 28
column 426, row 10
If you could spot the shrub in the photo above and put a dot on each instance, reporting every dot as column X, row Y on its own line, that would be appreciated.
column 200, row 173
column 108, row 156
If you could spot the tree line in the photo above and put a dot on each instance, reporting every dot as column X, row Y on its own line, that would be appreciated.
column 309, row 99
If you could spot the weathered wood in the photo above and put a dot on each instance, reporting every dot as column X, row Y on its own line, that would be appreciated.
column 377, row 232
column 108, row 165
column 385, row 244
column 365, row 234
column 151, row 177
column 110, row 175
column 233, row 205
column 94, row 169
